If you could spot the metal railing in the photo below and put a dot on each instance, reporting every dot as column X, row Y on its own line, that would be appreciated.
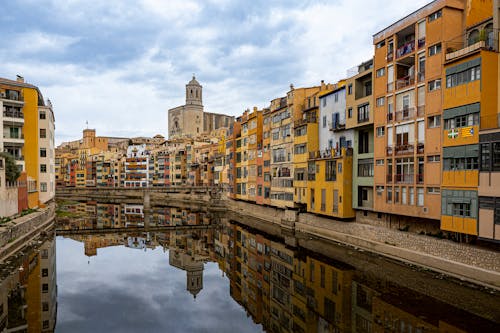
column 404, row 82
column 405, row 114
column 404, row 178
column 405, row 149
column 13, row 113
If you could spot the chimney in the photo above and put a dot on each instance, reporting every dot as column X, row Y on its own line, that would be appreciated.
column 291, row 86
column 20, row 79
column 322, row 84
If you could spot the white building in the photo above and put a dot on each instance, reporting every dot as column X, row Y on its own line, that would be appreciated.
column 46, row 176
column 137, row 166
column 332, row 110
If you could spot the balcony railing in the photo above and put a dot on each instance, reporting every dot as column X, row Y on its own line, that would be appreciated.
column 13, row 96
column 404, row 82
column 405, row 49
column 390, row 87
column 13, row 114
column 404, row 178
column 389, row 150
column 420, row 178
column 363, row 119
column 405, row 114
column 405, row 149
column 308, row 120
column 390, row 56
column 421, row 42
column 336, row 126
column 420, row 77
column 420, row 110
column 8, row 136
column 420, row 148
column 389, row 178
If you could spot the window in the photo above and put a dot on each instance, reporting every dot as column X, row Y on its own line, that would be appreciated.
column 330, row 171
column 349, row 112
column 433, row 190
column 364, row 113
column 433, row 158
column 435, row 49
column 45, row 324
column 42, row 114
column 349, row 89
column 433, row 121
column 420, row 196
column 324, row 121
column 324, row 102
column 45, row 306
column 462, row 121
column 43, row 152
column 45, row 272
column 300, row 148
column 461, row 209
column 463, row 77
column 380, row 131
column 45, row 288
column 381, row 72
column 43, row 133
column 365, row 168
column 301, row 131
column 379, row 162
column 461, row 163
column 389, row 195
column 364, row 142
column 490, row 156
column 435, row 16
column 434, row 85
column 43, row 187
column 336, row 97
column 379, row 190
column 43, row 168
column 380, row 44
column 380, row 101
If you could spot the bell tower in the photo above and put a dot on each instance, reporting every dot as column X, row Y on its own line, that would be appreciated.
column 193, row 93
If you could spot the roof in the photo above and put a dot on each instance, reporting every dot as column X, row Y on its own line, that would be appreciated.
column 5, row 81
column 194, row 82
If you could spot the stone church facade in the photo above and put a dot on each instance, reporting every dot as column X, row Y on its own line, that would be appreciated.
column 190, row 120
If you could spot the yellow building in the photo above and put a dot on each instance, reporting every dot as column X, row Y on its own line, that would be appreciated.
column 470, row 105
column 330, row 183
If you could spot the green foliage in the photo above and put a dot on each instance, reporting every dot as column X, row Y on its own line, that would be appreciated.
column 11, row 170
column 28, row 211
column 5, row 220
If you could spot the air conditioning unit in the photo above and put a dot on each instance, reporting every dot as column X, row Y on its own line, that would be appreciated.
column 425, row 210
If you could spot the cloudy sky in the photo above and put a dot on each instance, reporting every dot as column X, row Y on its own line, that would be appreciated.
column 120, row 65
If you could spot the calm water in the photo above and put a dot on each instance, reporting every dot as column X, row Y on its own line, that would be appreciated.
column 224, row 278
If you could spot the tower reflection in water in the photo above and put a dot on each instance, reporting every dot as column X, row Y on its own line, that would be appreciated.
column 28, row 289
column 284, row 289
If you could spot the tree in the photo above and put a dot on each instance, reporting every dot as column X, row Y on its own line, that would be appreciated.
column 11, row 170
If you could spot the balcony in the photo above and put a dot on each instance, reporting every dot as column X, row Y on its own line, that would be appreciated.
column 420, row 110
column 405, row 149
column 405, row 49
column 389, row 150
column 390, row 117
column 405, row 114
column 12, row 96
column 404, row 82
column 390, row 87
column 421, row 43
column 336, row 126
column 389, row 179
column 420, row 148
column 307, row 120
column 420, row 178
column 13, row 138
column 404, row 178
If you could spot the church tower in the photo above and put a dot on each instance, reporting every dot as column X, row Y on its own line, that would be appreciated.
column 193, row 93
column 194, row 274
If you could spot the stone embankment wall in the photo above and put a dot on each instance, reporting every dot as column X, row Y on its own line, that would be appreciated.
column 15, row 233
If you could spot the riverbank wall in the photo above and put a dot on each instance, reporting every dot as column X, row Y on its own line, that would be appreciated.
column 16, row 233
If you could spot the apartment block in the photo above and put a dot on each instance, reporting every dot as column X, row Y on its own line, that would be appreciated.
column 359, row 104
column 409, row 67
column 471, row 119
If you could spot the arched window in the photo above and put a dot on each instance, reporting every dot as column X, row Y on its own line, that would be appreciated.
column 473, row 37
column 196, row 93
column 191, row 92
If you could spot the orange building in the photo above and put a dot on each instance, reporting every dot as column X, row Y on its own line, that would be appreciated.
column 408, row 66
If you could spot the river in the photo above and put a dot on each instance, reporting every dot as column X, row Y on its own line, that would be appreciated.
column 102, row 273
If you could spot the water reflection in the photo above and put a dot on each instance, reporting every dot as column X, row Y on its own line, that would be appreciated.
column 28, row 289
column 286, row 289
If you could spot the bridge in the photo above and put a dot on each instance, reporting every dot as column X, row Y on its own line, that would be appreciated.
column 165, row 228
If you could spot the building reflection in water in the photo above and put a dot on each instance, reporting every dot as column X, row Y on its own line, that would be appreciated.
column 28, row 290
column 282, row 288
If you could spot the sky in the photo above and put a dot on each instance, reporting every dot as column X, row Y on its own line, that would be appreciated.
column 120, row 65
